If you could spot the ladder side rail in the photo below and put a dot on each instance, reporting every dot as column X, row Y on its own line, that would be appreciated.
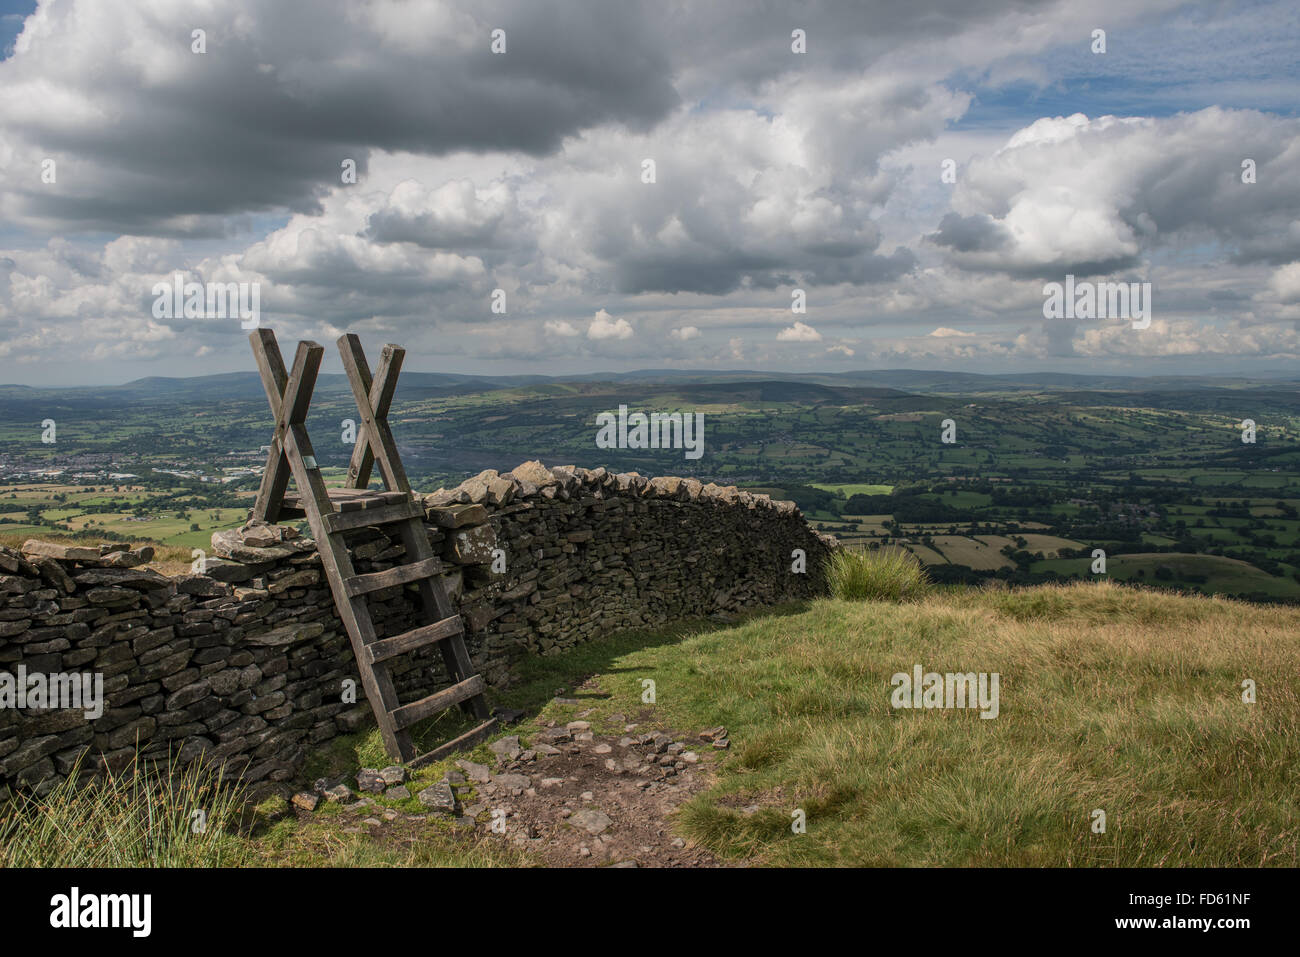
column 354, row 613
column 437, row 605
column 335, row 560
column 275, row 380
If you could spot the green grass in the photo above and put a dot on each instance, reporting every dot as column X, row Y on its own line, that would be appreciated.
column 883, row 574
column 145, row 816
column 1111, row 697
column 850, row 490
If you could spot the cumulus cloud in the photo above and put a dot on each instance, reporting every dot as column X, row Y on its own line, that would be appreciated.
column 1284, row 284
column 685, row 333
column 1088, row 196
column 605, row 326
column 561, row 327
column 162, row 138
column 799, row 332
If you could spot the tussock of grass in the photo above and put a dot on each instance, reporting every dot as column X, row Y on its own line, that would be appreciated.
column 880, row 575
column 144, row 816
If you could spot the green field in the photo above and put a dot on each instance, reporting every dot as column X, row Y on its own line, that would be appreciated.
column 1108, row 466
column 1222, row 575
column 854, row 489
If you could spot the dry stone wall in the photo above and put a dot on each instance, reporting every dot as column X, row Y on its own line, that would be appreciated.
column 247, row 663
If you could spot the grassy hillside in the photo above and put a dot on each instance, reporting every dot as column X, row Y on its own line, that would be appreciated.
column 1112, row 698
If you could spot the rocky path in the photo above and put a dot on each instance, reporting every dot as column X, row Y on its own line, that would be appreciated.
column 567, row 797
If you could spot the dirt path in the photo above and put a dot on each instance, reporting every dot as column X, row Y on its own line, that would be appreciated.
column 577, row 798
column 573, row 798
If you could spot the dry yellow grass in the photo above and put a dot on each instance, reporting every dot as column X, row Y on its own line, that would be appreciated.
column 1112, row 698
column 973, row 553
column 1049, row 545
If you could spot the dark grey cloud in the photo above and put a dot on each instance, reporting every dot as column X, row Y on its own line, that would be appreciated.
column 970, row 234
column 158, row 140
column 172, row 140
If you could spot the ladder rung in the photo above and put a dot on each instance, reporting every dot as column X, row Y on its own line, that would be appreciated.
column 384, row 515
column 400, row 575
column 386, row 648
column 417, row 711
column 350, row 499
column 466, row 740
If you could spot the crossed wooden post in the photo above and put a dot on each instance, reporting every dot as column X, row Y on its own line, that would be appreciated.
column 290, row 397
column 375, row 442
column 289, row 394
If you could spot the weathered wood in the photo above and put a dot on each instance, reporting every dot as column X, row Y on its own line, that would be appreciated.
column 351, row 500
column 467, row 740
column 275, row 476
column 398, row 575
column 417, row 711
column 414, row 639
column 374, row 398
column 385, row 515
column 437, row 604
column 355, row 615
column 331, row 512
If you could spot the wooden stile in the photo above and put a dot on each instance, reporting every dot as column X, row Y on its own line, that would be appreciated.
column 332, row 513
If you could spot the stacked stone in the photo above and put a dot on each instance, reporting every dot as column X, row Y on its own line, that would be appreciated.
column 248, row 663
column 588, row 552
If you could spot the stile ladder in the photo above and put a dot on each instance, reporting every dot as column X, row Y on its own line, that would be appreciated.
column 333, row 513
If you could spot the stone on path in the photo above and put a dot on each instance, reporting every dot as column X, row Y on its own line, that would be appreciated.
column 520, row 781
column 590, row 820
column 479, row 773
column 439, row 797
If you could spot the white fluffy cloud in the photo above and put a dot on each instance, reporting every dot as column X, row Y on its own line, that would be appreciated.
column 605, row 326
column 799, row 332
column 561, row 327
column 1073, row 194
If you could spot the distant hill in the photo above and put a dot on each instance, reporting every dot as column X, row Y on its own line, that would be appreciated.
column 415, row 384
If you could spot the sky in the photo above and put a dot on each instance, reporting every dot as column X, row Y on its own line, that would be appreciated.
column 650, row 185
